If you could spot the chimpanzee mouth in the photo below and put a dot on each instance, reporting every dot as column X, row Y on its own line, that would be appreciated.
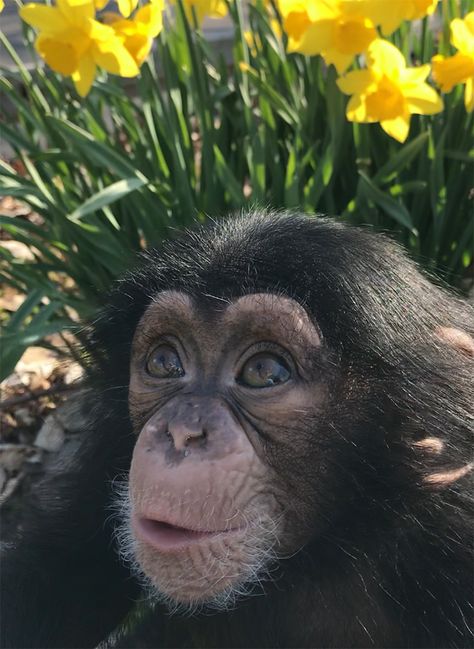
column 166, row 537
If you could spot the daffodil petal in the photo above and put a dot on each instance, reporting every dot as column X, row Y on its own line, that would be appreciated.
column 314, row 40
column 385, row 59
column 126, row 6
column 47, row 19
column 218, row 9
column 338, row 59
column 421, row 8
column 358, row 81
column 83, row 77
column 100, row 4
column 139, row 47
column 448, row 72
column 462, row 34
column 296, row 22
column 113, row 56
column 353, row 36
column 98, row 31
column 387, row 14
column 469, row 21
column 398, row 127
column 76, row 11
column 61, row 57
column 469, row 95
column 415, row 76
column 150, row 18
column 356, row 110
column 424, row 100
column 317, row 10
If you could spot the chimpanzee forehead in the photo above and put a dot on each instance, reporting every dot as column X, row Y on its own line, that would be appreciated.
column 268, row 311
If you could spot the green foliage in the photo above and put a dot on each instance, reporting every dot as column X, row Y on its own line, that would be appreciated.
column 194, row 137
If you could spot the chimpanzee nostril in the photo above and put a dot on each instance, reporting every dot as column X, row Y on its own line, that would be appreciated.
column 184, row 433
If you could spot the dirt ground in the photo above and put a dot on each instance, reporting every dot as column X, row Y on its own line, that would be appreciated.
column 38, row 426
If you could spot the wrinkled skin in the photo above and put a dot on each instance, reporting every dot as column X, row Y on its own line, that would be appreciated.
column 201, row 459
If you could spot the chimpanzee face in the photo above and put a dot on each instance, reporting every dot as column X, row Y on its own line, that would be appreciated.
column 222, row 399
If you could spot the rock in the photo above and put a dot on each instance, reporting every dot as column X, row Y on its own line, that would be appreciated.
column 73, row 374
column 37, row 360
column 24, row 417
column 9, row 487
column 51, row 434
column 71, row 414
column 3, row 479
column 13, row 382
column 12, row 456
column 19, row 250
column 12, row 463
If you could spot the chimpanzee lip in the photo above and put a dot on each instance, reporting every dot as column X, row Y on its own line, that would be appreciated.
column 168, row 537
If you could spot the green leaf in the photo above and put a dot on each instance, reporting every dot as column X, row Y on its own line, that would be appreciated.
column 106, row 196
column 228, row 179
column 278, row 101
column 401, row 159
column 388, row 204
column 410, row 187
column 25, row 309
column 437, row 179
column 17, row 139
column 23, row 224
column 101, row 154
column 291, row 181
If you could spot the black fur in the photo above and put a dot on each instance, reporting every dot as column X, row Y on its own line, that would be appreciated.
column 393, row 567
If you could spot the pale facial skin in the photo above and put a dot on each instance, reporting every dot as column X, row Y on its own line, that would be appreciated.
column 208, row 512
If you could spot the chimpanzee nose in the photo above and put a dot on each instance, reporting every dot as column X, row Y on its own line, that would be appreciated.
column 184, row 433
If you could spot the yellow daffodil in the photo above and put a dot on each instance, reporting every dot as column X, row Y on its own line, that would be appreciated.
column 388, row 92
column 389, row 14
column 203, row 8
column 137, row 33
column 73, row 43
column 2, row 5
column 448, row 72
column 326, row 28
column 124, row 6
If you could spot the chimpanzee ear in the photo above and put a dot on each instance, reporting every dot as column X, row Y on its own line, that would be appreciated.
column 457, row 338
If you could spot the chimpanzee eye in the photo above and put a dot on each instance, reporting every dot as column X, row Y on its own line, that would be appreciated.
column 164, row 363
column 264, row 371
